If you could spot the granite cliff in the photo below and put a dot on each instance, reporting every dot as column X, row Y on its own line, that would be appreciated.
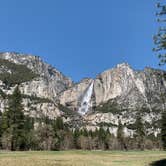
column 116, row 94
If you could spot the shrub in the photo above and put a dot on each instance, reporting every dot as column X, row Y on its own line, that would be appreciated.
column 18, row 73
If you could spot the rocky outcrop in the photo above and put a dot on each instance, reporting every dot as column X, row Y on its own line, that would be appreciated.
column 119, row 94
column 41, row 109
column 72, row 97
column 128, row 88
column 49, row 82
column 40, row 92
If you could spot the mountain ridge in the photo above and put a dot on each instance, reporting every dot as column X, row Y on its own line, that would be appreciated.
column 116, row 93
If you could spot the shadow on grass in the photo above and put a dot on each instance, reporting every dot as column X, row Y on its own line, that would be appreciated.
column 159, row 163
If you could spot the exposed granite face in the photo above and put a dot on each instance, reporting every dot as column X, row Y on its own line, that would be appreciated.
column 41, row 109
column 72, row 97
column 128, row 88
column 132, row 89
column 50, row 81
column 127, row 118
column 35, row 109
column 124, row 90
column 48, row 84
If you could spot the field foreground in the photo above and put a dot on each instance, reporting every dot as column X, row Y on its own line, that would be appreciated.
column 80, row 158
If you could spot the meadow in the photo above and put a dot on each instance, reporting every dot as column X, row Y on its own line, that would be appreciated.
column 80, row 158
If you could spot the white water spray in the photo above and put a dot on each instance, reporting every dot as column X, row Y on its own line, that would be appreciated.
column 86, row 100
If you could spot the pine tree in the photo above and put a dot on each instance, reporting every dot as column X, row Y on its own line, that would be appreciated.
column 1, row 129
column 59, row 125
column 163, row 129
column 85, row 132
column 4, row 122
column 140, row 132
column 102, row 138
column 120, row 136
column 76, row 135
column 160, row 37
column 102, row 134
column 160, row 41
column 59, row 130
column 14, row 121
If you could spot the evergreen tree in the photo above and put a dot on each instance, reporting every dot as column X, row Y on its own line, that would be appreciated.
column 160, row 41
column 163, row 129
column 102, row 134
column 1, row 129
column 59, row 125
column 5, row 119
column 76, row 135
column 140, row 132
column 120, row 136
column 59, row 130
column 14, row 121
column 85, row 132
column 160, row 37
column 102, row 138
column 1, row 124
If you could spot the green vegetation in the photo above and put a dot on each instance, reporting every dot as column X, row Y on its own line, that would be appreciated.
column 36, row 99
column 140, row 132
column 20, row 132
column 2, row 94
column 80, row 158
column 13, row 124
column 160, row 41
column 109, row 106
column 104, row 124
column 121, row 136
column 160, row 37
column 67, row 112
column 163, row 130
column 18, row 73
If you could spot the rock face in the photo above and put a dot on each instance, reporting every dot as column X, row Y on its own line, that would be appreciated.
column 116, row 94
column 50, row 81
column 131, row 89
column 120, row 94
column 39, row 92
column 73, row 96
column 128, row 88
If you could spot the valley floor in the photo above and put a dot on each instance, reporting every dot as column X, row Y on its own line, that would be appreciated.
column 80, row 158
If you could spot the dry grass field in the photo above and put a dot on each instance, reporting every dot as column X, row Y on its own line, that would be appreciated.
column 80, row 158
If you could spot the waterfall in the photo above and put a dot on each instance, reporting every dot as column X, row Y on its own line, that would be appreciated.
column 86, row 100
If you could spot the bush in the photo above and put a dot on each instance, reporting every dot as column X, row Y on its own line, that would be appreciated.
column 109, row 106
column 18, row 73
column 36, row 99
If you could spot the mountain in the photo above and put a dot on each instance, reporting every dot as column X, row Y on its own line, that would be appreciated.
column 119, row 94
column 116, row 94
column 39, row 83
column 122, row 86
column 49, row 82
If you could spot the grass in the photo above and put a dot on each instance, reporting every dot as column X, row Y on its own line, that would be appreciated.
column 80, row 158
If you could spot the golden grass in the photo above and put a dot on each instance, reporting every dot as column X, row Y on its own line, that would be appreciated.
column 80, row 158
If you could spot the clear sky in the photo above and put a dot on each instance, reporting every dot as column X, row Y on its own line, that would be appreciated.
column 81, row 38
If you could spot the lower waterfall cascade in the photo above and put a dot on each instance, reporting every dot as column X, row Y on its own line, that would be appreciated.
column 86, row 100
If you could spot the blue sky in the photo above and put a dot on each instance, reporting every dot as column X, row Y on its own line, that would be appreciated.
column 81, row 38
